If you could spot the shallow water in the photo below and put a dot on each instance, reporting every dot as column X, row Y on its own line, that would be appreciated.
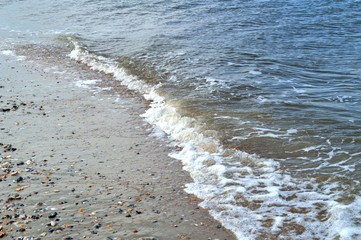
column 263, row 97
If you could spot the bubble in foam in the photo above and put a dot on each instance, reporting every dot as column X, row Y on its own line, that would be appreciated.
column 8, row 53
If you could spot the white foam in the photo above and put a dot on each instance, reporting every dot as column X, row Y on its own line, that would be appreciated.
column 292, row 131
column 13, row 54
column 342, row 220
column 299, row 90
column 8, row 53
column 86, row 83
column 21, row 58
column 254, row 72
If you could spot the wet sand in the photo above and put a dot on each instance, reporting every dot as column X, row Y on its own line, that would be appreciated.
column 77, row 161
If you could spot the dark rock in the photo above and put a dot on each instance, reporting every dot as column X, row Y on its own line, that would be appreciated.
column 53, row 215
column 19, row 179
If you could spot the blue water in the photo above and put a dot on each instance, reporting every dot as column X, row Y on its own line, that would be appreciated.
column 263, row 96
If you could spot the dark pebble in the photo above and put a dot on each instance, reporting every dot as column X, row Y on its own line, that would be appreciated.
column 128, row 215
column 19, row 179
column 53, row 215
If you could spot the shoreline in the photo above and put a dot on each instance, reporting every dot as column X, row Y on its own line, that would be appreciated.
column 78, row 162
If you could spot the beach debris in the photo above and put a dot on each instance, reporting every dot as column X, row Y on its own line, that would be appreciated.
column 9, row 148
column 53, row 215
column 21, row 188
column 98, row 225
column 30, row 161
column 19, row 179
column 2, row 232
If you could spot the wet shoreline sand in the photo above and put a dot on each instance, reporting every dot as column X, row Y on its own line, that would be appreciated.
column 77, row 161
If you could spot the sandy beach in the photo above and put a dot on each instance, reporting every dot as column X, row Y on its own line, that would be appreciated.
column 78, row 162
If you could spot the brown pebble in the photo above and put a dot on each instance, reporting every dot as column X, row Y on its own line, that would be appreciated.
column 2, row 232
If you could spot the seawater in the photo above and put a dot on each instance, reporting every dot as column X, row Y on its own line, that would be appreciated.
column 262, row 97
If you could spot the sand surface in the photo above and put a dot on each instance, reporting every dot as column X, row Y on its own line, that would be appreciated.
column 77, row 161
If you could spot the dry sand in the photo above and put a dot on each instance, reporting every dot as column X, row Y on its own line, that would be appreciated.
column 79, row 162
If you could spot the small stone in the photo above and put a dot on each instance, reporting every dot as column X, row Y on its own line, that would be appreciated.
column 19, row 179
column 2, row 232
column 53, row 215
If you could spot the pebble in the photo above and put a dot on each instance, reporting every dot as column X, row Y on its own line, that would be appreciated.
column 19, row 179
column 53, row 215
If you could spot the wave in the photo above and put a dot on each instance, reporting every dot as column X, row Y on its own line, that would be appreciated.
column 253, row 197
